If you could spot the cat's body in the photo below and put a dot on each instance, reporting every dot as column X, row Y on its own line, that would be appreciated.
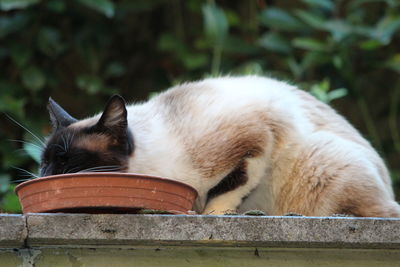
column 245, row 143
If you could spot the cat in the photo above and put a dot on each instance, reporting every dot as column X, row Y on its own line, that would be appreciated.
column 243, row 143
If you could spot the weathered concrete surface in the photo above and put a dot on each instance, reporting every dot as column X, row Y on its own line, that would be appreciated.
column 165, row 240
column 216, row 256
column 9, row 257
column 12, row 231
column 133, row 230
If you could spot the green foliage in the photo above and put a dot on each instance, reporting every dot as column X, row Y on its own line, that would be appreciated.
column 321, row 91
column 8, row 200
column 82, row 51
column 106, row 7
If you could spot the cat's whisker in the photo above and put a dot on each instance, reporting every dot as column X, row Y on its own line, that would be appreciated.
column 104, row 166
column 40, row 147
column 22, row 180
column 26, row 172
column 102, row 169
column 73, row 170
column 26, row 129
column 60, row 146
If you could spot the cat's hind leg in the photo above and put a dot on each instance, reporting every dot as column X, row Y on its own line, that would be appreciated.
column 366, row 201
column 330, row 175
column 229, row 193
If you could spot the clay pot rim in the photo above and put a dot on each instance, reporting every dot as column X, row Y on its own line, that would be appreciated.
column 102, row 175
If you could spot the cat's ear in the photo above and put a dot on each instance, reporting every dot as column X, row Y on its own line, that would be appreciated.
column 58, row 116
column 114, row 118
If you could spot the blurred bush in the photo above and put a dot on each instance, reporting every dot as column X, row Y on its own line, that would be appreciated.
column 82, row 51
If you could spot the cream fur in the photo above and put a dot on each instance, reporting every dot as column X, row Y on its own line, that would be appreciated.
column 301, row 156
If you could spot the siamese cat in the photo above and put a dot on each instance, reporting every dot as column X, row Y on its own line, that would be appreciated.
column 242, row 142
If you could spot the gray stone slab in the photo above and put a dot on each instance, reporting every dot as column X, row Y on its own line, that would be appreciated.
column 215, row 257
column 306, row 232
column 12, row 231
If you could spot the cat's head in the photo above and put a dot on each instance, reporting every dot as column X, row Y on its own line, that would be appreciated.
column 103, row 143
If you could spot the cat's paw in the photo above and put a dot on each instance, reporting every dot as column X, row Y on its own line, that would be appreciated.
column 293, row 214
column 254, row 213
column 342, row 215
column 220, row 212
column 231, row 212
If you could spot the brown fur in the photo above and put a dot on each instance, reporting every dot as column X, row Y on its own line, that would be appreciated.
column 94, row 142
column 223, row 147
column 314, row 185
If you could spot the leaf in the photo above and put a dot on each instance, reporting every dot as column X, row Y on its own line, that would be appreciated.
column 295, row 67
column 318, row 93
column 277, row 18
column 33, row 151
column 393, row 63
column 310, row 44
column 386, row 27
column 90, row 83
column 232, row 17
column 275, row 42
column 57, row 6
column 356, row 4
column 215, row 23
column 325, row 4
column 33, row 78
column 337, row 93
column 11, row 24
column 250, row 68
column 114, row 69
column 370, row 45
column 106, row 7
column 311, row 19
column 7, row 5
column 339, row 29
column 324, row 85
column 321, row 91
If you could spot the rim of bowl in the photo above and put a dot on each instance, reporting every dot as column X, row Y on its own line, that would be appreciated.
column 102, row 174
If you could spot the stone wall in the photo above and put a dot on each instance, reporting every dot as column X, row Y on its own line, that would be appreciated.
column 168, row 240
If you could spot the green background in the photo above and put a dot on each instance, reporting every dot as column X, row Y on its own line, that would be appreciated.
column 80, row 52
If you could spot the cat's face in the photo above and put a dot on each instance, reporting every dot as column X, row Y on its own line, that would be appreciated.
column 100, row 145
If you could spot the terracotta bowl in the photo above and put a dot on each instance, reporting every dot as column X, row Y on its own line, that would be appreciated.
column 105, row 193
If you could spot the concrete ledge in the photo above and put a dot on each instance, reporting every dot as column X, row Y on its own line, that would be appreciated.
column 167, row 240
column 13, row 231
column 36, row 230
column 230, row 231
